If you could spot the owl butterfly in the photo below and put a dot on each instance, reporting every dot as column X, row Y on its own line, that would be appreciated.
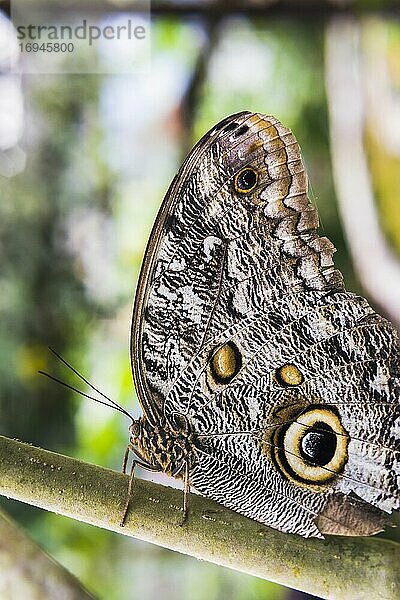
column 264, row 384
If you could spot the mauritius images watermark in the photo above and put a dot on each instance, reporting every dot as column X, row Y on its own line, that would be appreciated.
column 54, row 40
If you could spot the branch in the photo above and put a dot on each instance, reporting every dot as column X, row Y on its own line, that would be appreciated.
column 331, row 568
column 27, row 571
column 376, row 264
column 191, row 100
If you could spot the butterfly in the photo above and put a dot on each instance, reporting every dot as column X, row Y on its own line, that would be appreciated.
column 264, row 384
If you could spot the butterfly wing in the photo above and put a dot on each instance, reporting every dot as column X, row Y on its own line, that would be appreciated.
column 242, row 324
column 152, row 360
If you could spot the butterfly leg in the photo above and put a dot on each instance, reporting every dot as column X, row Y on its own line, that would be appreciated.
column 135, row 463
column 129, row 449
column 130, row 485
column 186, row 490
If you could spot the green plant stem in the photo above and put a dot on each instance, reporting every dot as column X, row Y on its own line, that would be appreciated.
column 337, row 567
column 28, row 572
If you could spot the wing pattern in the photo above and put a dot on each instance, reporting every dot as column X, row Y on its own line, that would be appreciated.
column 247, row 270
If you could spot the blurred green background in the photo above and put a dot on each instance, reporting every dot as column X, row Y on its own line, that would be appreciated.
column 79, row 192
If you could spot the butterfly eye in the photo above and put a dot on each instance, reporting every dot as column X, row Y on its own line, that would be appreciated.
column 313, row 448
column 246, row 180
column 226, row 363
column 289, row 375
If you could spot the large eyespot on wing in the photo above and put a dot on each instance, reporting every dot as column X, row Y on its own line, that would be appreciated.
column 236, row 213
column 311, row 449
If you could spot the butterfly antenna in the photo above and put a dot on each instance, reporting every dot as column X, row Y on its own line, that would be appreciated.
column 110, row 403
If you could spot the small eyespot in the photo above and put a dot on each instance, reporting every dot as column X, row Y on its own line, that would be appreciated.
column 289, row 375
column 225, row 363
column 312, row 449
column 246, row 180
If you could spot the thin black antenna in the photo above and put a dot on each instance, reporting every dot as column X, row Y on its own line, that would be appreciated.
column 110, row 403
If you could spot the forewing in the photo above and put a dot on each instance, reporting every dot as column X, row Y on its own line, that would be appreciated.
column 209, row 245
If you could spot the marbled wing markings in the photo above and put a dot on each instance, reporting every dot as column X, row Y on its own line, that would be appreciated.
column 380, row 462
column 255, row 344
column 332, row 350
column 217, row 478
column 208, row 201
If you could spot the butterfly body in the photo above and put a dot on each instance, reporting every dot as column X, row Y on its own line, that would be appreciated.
column 162, row 447
column 273, row 389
